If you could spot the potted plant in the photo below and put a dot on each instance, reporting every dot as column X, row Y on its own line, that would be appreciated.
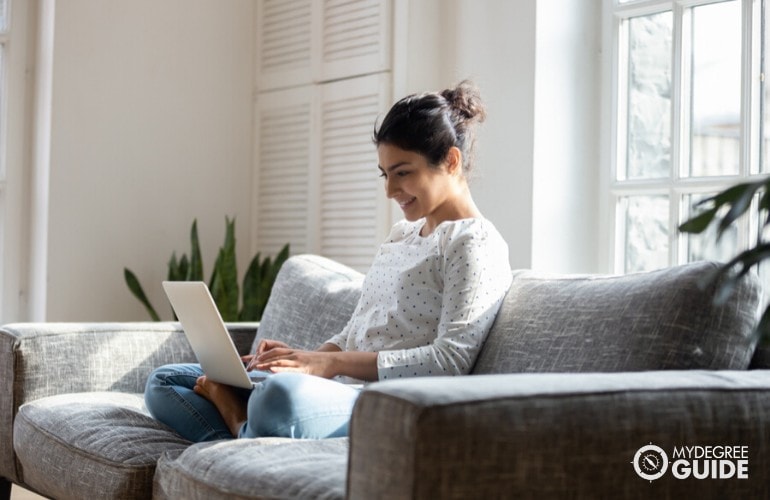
column 223, row 283
column 724, row 209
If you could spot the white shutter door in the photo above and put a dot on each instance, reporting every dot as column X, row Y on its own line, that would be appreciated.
column 353, row 209
column 284, row 41
column 355, row 38
column 283, row 147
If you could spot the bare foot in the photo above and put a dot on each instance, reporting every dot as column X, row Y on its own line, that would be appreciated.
column 230, row 405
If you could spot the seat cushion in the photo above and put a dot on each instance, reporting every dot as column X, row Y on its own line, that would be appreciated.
column 70, row 443
column 658, row 320
column 312, row 300
column 255, row 469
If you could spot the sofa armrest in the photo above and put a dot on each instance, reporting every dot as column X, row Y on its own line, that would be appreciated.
column 45, row 359
column 554, row 435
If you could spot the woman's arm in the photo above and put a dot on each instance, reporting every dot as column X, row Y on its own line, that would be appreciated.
column 475, row 276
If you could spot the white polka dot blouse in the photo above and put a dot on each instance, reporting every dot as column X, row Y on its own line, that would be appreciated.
column 427, row 303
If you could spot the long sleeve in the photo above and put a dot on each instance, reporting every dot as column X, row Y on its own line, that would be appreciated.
column 476, row 276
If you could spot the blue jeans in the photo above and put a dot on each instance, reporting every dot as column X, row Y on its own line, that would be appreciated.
column 283, row 405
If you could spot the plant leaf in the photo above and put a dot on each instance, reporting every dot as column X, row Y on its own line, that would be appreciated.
column 251, row 281
column 224, row 287
column 195, row 271
column 762, row 331
column 258, row 284
column 699, row 223
column 729, row 275
column 177, row 269
column 138, row 291
column 740, row 203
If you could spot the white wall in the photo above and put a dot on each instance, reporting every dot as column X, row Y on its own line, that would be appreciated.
column 491, row 42
column 495, row 46
column 565, row 194
column 151, row 128
column 537, row 64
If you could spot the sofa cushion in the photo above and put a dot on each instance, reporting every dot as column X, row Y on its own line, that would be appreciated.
column 645, row 321
column 249, row 468
column 68, row 445
column 312, row 300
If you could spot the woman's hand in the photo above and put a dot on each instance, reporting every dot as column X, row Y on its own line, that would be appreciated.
column 250, row 360
column 285, row 359
column 267, row 344
column 328, row 361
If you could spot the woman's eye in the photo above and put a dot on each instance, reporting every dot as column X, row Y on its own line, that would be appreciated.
column 402, row 173
column 383, row 175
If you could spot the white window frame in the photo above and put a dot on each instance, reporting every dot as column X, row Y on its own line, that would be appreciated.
column 676, row 184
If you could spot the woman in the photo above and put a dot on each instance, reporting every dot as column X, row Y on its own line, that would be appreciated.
column 427, row 303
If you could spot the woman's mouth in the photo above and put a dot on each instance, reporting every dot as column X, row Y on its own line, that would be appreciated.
column 404, row 204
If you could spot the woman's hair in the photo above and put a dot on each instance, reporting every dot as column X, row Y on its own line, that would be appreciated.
column 433, row 122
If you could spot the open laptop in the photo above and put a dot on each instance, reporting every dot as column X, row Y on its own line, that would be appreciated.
column 207, row 334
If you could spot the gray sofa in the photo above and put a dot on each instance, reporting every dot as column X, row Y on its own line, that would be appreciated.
column 578, row 374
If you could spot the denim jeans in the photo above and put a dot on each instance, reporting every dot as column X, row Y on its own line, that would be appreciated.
column 283, row 405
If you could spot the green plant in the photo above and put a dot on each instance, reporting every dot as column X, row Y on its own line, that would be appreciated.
column 724, row 209
column 257, row 281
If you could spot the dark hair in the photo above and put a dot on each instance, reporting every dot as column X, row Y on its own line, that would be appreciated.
column 433, row 122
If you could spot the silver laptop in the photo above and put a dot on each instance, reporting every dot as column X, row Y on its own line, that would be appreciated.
column 207, row 334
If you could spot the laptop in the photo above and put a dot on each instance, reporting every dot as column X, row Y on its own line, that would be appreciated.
column 197, row 312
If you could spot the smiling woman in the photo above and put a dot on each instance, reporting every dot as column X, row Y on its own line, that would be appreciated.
column 426, row 305
column 426, row 147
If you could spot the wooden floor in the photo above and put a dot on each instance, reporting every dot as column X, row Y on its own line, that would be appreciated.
column 18, row 493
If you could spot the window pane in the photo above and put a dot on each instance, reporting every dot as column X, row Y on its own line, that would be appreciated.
column 704, row 246
column 646, row 232
column 716, row 89
column 648, row 152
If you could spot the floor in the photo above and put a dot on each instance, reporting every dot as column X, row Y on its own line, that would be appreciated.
column 22, row 494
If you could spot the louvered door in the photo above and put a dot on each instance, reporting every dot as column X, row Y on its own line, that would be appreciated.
column 304, row 41
column 322, row 79
column 354, row 38
column 352, row 207
column 284, row 40
column 283, row 177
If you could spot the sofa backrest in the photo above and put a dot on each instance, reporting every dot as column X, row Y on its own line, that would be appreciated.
column 312, row 300
column 645, row 321
column 555, row 323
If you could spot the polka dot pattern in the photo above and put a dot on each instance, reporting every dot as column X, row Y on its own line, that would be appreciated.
column 427, row 303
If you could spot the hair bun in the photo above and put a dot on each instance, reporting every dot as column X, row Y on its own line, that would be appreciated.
column 465, row 99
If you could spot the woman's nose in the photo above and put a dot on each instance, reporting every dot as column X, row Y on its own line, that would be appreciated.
column 390, row 187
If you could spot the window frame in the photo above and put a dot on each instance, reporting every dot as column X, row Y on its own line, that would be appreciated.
column 677, row 185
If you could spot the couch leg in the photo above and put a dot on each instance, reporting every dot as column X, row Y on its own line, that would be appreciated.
column 5, row 489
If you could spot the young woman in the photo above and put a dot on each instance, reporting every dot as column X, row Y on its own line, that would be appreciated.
column 427, row 302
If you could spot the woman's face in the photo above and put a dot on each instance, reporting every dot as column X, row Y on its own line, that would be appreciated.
column 419, row 189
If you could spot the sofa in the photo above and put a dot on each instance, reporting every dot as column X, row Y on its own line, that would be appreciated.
column 583, row 383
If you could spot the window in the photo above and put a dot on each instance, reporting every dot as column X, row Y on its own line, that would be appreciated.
column 691, row 119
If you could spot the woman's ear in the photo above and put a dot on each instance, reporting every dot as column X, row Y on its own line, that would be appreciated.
column 454, row 160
